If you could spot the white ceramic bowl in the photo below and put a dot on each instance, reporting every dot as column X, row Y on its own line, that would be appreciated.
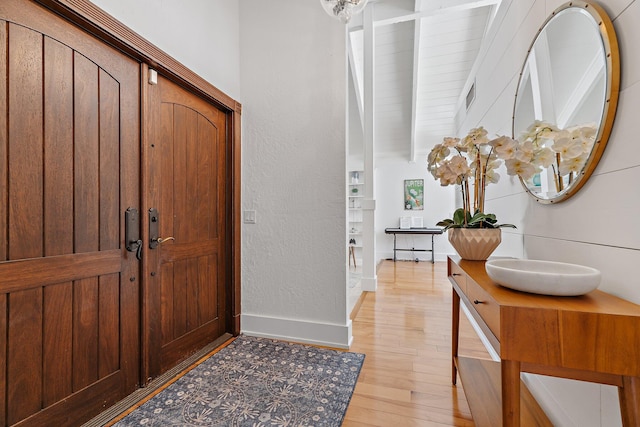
column 543, row 277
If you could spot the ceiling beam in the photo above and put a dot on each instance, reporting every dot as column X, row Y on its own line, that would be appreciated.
column 456, row 6
column 452, row 6
column 414, row 89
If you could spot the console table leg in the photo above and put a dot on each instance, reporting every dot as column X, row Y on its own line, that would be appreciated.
column 432, row 255
column 455, row 329
column 629, row 395
column 510, row 393
column 394, row 248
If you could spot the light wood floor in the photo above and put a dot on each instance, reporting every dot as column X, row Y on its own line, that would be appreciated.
column 404, row 328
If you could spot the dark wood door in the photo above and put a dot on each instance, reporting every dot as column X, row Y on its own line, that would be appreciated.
column 69, row 155
column 185, row 175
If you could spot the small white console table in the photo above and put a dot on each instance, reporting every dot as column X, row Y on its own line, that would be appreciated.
column 423, row 230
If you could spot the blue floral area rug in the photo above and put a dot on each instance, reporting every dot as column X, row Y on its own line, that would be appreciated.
column 257, row 382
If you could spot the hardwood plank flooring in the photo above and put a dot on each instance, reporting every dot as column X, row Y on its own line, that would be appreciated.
column 404, row 328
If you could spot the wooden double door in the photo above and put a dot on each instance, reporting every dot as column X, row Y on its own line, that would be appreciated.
column 186, row 189
column 83, row 138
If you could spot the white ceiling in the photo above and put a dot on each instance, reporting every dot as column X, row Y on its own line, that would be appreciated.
column 424, row 52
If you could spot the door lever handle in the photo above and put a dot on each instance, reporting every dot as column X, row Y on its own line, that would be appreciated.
column 154, row 230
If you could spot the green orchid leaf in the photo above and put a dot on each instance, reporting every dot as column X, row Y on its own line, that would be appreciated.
column 464, row 219
column 459, row 216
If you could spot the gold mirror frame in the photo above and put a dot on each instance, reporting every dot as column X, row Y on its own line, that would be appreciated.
column 612, row 58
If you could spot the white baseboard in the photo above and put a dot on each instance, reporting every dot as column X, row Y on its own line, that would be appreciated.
column 324, row 334
column 369, row 284
column 545, row 398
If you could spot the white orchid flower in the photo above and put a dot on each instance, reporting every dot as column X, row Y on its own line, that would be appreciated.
column 504, row 147
column 476, row 137
column 517, row 167
column 524, row 153
column 573, row 165
column 438, row 154
column 450, row 142
column 491, row 176
column 459, row 165
column 446, row 175
column 567, row 147
column 544, row 157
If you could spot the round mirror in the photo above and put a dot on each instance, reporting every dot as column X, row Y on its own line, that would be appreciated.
column 566, row 99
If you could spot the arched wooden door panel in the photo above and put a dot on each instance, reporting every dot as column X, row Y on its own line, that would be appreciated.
column 69, row 167
column 186, row 174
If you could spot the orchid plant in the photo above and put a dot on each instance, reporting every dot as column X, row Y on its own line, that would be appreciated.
column 563, row 152
column 471, row 163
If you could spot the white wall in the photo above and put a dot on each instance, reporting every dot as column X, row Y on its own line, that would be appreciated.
column 438, row 204
column 203, row 36
column 293, row 72
column 596, row 227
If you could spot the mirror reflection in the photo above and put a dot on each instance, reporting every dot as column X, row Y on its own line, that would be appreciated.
column 563, row 107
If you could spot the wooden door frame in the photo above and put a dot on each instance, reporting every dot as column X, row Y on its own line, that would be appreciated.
column 98, row 23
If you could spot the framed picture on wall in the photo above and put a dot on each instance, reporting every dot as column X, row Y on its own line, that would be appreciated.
column 414, row 194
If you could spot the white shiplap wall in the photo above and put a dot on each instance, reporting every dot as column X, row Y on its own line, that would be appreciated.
column 598, row 226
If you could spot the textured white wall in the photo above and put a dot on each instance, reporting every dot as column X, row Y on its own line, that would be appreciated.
column 596, row 227
column 293, row 74
column 201, row 34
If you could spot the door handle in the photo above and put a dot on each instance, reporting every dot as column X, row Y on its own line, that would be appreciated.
column 133, row 243
column 155, row 242
column 154, row 226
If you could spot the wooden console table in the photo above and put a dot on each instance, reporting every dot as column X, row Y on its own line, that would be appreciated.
column 594, row 337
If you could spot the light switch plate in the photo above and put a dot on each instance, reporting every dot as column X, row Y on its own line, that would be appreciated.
column 249, row 217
